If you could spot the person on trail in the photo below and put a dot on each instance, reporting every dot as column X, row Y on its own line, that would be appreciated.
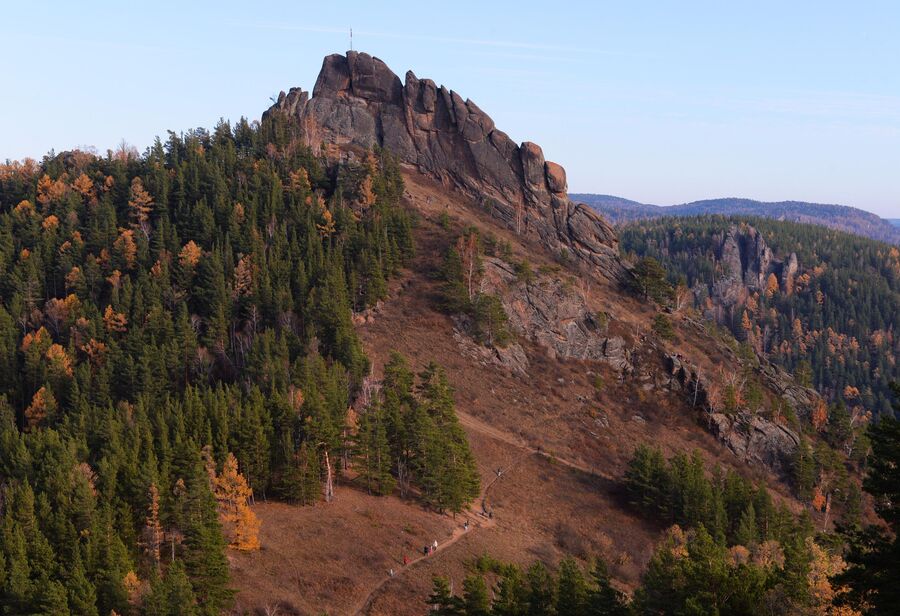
column 466, row 525
column 405, row 560
column 391, row 572
column 434, row 545
column 426, row 549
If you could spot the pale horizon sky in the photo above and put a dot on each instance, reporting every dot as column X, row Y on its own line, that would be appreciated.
column 660, row 102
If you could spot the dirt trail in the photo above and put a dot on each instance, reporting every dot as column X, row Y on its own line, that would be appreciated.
column 478, row 521
column 475, row 424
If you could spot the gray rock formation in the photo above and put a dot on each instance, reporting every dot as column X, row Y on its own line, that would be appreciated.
column 752, row 438
column 358, row 101
column 554, row 314
column 756, row 440
column 789, row 273
column 801, row 398
column 747, row 262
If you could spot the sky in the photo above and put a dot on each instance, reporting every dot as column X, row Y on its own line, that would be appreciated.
column 660, row 102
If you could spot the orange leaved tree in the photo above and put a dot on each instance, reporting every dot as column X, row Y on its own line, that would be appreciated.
column 233, row 494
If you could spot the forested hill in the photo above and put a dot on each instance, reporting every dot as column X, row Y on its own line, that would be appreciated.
column 834, row 320
column 202, row 412
column 841, row 217
column 176, row 335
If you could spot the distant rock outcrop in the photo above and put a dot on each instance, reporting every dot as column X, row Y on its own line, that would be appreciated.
column 359, row 101
column 747, row 261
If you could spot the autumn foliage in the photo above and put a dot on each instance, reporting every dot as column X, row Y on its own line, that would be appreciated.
column 233, row 495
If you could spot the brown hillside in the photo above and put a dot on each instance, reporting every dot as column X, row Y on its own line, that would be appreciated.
column 553, row 417
column 559, row 448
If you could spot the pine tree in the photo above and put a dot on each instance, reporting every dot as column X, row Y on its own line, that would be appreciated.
column 475, row 596
column 442, row 602
column 171, row 595
column 541, row 591
column 510, row 594
column 446, row 468
column 874, row 555
column 204, row 545
column 571, row 593
column 603, row 599
column 301, row 480
column 82, row 596
column 373, row 453
column 747, row 532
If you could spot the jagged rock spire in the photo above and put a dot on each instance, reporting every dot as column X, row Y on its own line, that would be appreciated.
column 359, row 101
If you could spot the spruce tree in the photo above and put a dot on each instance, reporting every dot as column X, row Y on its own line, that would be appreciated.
column 442, row 602
column 571, row 589
column 475, row 596
column 603, row 599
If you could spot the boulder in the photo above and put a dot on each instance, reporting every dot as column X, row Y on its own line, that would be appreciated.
column 556, row 178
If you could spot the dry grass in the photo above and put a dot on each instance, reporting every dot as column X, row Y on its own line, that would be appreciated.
column 560, row 443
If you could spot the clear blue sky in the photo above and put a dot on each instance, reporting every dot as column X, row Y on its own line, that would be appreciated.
column 663, row 102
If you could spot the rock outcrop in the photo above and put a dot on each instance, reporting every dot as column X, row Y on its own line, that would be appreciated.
column 751, row 437
column 801, row 398
column 359, row 101
column 555, row 315
column 747, row 262
column 756, row 440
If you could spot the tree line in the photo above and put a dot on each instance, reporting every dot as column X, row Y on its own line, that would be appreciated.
column 176, row 342
column 835, row 327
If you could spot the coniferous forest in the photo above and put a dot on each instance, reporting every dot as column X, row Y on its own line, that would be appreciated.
column 175, row 342
column 837, row 329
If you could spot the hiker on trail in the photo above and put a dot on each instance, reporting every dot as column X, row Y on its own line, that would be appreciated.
column 466, row 525
column 426, row 549
column 434, row 545
column 405, row 560
column 391, row 572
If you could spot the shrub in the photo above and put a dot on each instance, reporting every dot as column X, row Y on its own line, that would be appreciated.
column 662, row 326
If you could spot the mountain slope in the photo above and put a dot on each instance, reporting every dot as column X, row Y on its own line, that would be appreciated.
column 816, row 300
column 201, row 404
column 840, row 217
column 553, row 415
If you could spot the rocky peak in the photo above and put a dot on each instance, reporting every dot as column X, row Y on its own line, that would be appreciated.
column 359, row 101
column 747, row 262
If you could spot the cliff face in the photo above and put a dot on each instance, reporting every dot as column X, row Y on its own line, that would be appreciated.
column 359, row 101
column 747, row 263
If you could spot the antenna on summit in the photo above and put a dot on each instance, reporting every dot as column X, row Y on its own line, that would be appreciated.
column 351, row 38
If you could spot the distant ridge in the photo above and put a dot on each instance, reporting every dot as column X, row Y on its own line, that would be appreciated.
column 845, row 218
